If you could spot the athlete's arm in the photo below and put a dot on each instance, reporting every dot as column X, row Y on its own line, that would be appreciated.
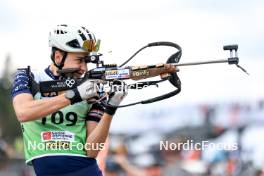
column 98, row 132
column 27, row 109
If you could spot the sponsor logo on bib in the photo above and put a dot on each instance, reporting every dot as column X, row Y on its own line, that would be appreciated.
column 57, row 136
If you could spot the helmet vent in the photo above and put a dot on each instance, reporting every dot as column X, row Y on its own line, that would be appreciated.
column 60, row 31
column 74, row 43
column 85, row 29
column 82, row 35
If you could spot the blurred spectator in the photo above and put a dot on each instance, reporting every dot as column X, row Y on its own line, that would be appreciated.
column 127, row 167
column 117, row 162
column 172, row 159
column 3, row 159
column 260, row 173
column 7, row 148
column 150, row 162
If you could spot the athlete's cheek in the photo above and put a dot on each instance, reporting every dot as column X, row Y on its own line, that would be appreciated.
column 83, row 67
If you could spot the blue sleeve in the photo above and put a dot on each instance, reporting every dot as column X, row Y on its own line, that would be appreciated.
column 20, row 83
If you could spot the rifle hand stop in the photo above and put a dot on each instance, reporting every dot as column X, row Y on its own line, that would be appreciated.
column 233, row 59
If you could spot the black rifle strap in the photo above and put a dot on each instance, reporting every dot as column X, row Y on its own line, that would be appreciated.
column 33, row 85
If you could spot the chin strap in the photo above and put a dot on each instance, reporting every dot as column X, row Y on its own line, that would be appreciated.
column 64, row 56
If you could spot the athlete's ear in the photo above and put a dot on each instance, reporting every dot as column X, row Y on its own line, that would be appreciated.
column 58, row 57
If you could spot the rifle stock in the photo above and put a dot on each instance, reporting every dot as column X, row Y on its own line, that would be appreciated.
column 107, row 73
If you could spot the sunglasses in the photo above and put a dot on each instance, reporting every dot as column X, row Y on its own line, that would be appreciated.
column 91, row 45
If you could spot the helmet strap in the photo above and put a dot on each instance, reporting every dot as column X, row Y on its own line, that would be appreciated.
column 61, row 64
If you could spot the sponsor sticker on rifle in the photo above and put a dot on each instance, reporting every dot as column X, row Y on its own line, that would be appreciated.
column 140, row 73
column 117, row 74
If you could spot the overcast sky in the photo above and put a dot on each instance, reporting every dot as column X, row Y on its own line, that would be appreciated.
column 201, row 28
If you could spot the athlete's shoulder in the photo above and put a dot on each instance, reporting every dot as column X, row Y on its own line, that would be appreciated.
column 41, row 75
column 22, row 80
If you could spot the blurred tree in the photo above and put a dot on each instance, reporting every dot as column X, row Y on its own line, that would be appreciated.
column 9, row 126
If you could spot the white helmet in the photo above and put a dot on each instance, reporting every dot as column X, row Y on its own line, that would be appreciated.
column 73, row 39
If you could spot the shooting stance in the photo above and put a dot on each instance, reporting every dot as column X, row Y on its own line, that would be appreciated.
column 65, row 118
column 62, row 132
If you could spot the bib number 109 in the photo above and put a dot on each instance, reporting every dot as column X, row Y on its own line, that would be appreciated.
column 58, row 118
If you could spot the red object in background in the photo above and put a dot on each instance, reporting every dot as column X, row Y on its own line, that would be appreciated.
column 231, row 165
column 193, row 155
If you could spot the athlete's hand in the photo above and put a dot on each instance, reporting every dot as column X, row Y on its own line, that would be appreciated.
column 119, row 92
column 85, row 91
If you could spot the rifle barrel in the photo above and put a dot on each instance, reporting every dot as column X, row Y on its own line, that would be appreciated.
column 201, row 62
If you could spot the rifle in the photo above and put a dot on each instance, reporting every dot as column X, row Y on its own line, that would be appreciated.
column 107, row 74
